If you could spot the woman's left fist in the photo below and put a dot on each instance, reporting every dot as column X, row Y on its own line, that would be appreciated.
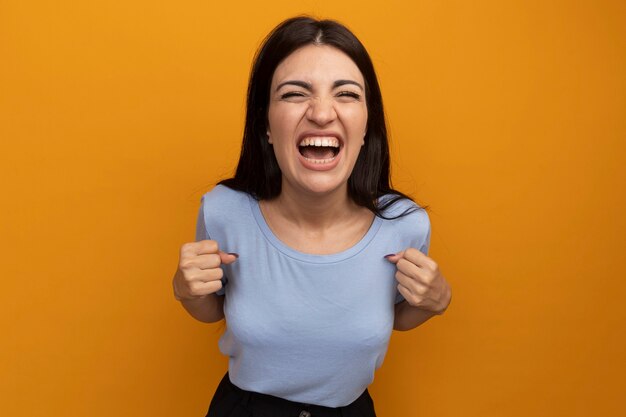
column 420, row 282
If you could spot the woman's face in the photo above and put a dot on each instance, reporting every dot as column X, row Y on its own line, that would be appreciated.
column 317, row 119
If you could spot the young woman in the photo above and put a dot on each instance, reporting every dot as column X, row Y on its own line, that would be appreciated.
column 307, row 252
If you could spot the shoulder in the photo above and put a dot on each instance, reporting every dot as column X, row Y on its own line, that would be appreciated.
column 404, row 210
column 224, row 203
column 224, row 211
column 221, row 197
column 415, row 225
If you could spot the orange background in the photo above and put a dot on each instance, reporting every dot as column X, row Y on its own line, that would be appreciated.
column 506, row 117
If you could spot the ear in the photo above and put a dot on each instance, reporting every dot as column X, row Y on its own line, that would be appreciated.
column 269, row 138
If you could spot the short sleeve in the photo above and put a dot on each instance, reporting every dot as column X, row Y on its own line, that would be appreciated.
column 202, row 233
column 422, row 243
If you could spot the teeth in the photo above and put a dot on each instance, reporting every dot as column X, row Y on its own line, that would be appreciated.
column 320, row 141
column 320, row 161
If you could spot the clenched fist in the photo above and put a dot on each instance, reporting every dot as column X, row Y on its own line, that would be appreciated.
column 199, row 270
column 420, row 282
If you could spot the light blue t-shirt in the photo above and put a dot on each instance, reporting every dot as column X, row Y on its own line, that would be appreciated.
column 307, row 328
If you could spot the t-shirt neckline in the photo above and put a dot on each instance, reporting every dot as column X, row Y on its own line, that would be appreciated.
column 309, row 257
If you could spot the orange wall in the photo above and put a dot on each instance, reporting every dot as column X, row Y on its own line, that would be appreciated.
column 507, row 118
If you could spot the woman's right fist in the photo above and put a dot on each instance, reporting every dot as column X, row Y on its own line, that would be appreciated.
column 199, row 273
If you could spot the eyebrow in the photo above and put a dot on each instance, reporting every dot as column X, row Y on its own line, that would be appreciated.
column 309, row 87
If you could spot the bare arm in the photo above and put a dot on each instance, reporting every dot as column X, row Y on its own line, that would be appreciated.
column 408, row 317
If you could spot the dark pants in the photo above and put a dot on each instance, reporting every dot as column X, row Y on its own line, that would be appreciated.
column 231, row 401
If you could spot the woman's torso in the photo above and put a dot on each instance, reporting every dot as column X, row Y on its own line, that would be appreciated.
column 305, row 327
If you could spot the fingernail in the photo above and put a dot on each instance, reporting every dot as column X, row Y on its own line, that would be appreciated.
column 390, row 255
column 236, row 255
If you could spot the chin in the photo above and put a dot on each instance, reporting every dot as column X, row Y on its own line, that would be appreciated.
column 322, row 189
column 317, row 183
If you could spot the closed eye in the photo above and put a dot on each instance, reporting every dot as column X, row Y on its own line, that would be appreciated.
column 350, row 94
column 344, row 94
column 292, row 94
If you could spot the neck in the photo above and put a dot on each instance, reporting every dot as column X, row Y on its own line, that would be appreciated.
column 313, row 211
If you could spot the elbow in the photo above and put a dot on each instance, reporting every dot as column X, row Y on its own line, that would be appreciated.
column 400, row 328
column 209, row 320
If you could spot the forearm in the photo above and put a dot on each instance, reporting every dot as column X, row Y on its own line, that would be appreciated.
column 207, row 309
column 408, row 317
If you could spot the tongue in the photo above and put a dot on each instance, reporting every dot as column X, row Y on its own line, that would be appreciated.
column 315, row 152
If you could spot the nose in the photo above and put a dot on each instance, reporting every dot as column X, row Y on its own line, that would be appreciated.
column 321, row 111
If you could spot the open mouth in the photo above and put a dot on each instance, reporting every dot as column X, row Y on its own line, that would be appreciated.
column 319, row 150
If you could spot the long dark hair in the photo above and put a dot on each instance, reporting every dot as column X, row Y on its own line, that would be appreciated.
column 258, row 172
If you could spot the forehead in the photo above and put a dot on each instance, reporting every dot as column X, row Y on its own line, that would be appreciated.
column 317, row 64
